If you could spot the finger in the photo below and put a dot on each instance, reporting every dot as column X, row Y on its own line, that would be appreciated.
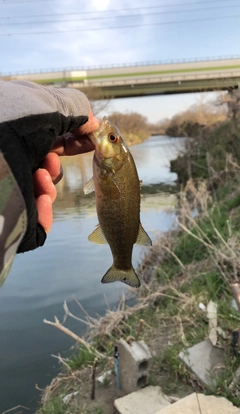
column 43, row 184
column 91, row 125
column 77, row 142
column 44, row 208
column 69, row 144
column 52, row 164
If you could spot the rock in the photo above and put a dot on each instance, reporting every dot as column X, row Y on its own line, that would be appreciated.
column 196, row 403
column 144, row 401
column 134, row 362
column 205, row 361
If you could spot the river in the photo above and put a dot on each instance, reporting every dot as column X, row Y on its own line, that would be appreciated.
column 68, row 264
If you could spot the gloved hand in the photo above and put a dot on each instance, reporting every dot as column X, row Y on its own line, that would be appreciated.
column 33, row 120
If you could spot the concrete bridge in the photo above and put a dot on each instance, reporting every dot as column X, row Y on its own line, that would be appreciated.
column 146, row 79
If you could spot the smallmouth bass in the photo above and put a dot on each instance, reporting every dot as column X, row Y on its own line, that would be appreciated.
column 117, row 191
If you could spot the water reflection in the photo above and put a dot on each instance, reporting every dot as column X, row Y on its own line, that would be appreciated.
column 68, row 264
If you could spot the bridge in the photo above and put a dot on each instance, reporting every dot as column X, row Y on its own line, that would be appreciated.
column 145, row 79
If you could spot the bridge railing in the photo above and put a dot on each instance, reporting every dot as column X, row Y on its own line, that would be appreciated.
column 120, row 65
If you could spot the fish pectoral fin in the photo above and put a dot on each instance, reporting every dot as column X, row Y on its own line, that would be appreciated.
column 110, row 188
column 143, row 237
column 89, row 187
column 97, row 236
column 126, row 276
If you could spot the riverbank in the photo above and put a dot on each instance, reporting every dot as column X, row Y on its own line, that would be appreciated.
column 193, row 264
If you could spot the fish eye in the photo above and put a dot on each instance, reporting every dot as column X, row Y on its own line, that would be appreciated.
column 113, row 138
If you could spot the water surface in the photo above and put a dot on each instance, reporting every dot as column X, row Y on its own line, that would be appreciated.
column 68, row 264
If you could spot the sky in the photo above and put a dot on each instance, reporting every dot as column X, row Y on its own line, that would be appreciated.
column 62, row 34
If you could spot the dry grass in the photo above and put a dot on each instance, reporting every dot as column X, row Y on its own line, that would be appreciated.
column 167, row 304
column 202, row 115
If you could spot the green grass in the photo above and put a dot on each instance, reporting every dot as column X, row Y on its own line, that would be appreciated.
column 81, row 357
column 206, row 283
column 54, row 406
column 173, row 320
column 94, row 410
column 221, row 385
column 134, row 74
column 202, row 285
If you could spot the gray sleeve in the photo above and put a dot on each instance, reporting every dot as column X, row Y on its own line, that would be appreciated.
column 39, row 100
column 31, row 118
column 13, row 218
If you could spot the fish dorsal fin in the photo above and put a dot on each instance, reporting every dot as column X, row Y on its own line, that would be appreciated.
column 110, row 188
column 89, row 187
column 97, row 236
column 143, row 237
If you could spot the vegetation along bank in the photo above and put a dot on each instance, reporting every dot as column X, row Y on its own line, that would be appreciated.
column 197, row 262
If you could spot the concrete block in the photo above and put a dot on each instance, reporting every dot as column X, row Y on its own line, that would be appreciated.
column 205, row 361
column 209, row 404
column 134, row 363
column 144, row 401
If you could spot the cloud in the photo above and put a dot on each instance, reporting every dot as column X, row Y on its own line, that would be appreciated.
column 99, row 5
column 96, row 47
column 77, row 43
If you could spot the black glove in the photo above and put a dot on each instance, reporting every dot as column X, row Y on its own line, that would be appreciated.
column 31, row 118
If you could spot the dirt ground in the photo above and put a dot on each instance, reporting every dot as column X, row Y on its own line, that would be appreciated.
column 105, row 394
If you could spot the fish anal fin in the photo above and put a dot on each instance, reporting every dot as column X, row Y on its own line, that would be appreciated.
column 97, row 236
column 142, row 237
column 126, row 276
column 89, row 187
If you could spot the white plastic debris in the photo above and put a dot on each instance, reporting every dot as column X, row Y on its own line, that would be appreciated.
column 222, row 333
column 68, row 397
column 202, row 306
column 212, row 324
column 104, row 376
column 233, row 304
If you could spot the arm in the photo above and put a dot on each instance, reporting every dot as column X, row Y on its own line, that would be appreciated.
column 13, row 218
column 32, row 119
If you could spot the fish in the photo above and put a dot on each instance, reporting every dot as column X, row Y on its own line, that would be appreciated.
column 117, row 192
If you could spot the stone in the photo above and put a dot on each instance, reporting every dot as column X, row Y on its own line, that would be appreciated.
column 205, row 361
column 200, row 403
column 133, row 365
column 144, row 401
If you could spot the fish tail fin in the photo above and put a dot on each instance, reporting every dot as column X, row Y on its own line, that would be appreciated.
column 126, row 276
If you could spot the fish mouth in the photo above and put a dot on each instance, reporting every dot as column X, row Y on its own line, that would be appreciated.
column 96, row 134
column 95, row 137
column 96, row 140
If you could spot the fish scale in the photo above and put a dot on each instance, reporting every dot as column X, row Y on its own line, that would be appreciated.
column 119, row 219
column 117, row 189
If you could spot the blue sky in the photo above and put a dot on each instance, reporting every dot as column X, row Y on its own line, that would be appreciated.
column 58, row 34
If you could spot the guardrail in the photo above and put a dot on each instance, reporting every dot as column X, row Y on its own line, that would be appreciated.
column 123, row 65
